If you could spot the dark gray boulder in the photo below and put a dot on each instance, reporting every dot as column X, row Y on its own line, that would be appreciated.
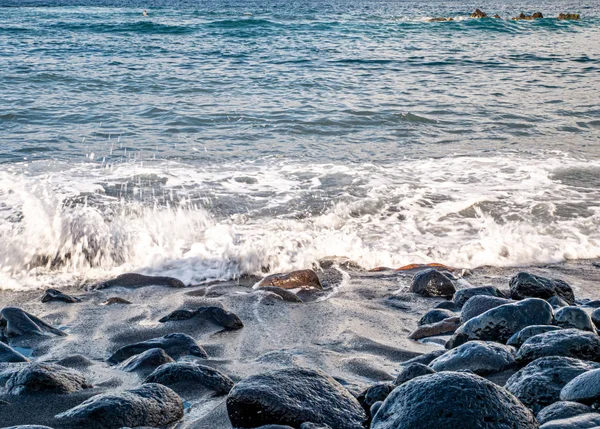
column 374, row 408
column 133, row 280
column 434, row 316
column 187, row 377
column 539, row 383
column 114, row 300
column 463, row 295
column 574, row 317
column 557, row 302
column 46, row 378
column 291, row 397
column 375, row 393
column 216, row 315
column 284, row 294
column 56, row 295
column 147, row 405
column 175, row 345
column 526, row 333
column 432, row 283
column 7, row 354
column 480, row 357
column 412, row 370
column 596, row 317
column 562, row 410
column 479, row 304
column 424, row 359
column 582, row 421
column 310, row 425
column 450, row 400
column 565, row 342
column 500, row 323
column 146, row 362
column 447, row 305
column 585, row 388
column 20, row 323
column 526, row 285
column 75, row 361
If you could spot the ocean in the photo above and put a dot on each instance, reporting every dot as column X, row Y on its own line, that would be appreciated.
column 216, row 139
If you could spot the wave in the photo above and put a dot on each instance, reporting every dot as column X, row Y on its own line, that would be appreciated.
column 140, row 27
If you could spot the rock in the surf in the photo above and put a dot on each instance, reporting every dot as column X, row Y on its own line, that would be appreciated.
column 7, row 354
column 449, row 400
column 523, row 17
column 187, row 377
column 133, row 280
column 148, row 405
column 293, row 396
column 116, row 300
column 478, row 14
column 479, row 304
column 562, row 410
column 526, row 333
column 440, row 19
column 175, row 345
column 146, row 362
column 46, row 378
column 582, row 421
column 19, row 323
column 283, row 294
column 500, row 323
column 446, row 326
column 412, row 370
column 293, row 280
column 56, row 295
column 539, row 383
column 434, row 316
column 574, row 317
column 564, row 342
column 526, row 285
column 569, row 16
column 432, row 283
column 479, row 357
column 463, row 295
column 216, row 315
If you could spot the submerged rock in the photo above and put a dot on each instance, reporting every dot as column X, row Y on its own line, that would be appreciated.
column 446, row 326
column 525, row 285
column 526, row 333
column 46, row 378
column 432, row 283
column 217, row 315
column 562, row 410
column 479, row 304
column 20, row 323
column 463, row 295
column 115, row 300
column 480, row 357
column 449, row 400
column 539, row 383
column 56, row 295
column 146, row 362
column 284, row 294
column 191, row 377
column 291, row 397
column 7, row 354
column 293, row 280
column 478, row 14
column 565, row 342
column 434, row 316
column 147, row 405
column 175, row 345
column 440, row 19
column 133, row 280
column 412, row 370
column 574, row 317
column 569, row 16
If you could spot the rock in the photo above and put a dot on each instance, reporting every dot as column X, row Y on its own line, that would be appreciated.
column 133, row 280
column 440, row 19
column 310, row 425
column 377, row 392
column 537, row 15
column 582, row 421
column 585, row 389
column 217, row 315
column 479, row 357
column 424, row 359
column 448, row 305
column 28, row 427
column 20, row 323
column 557, row 302
column 432, row 283
column 147, row 405
column 478, row 14
column 7, row 354
column 565, row 342
column 497, row 16
column 525, row 285
column 562, row 410
column 75, row 361
column 446, row 326
column 479, row 304
column 115, row 300
column 293, row 396
column 574, row 317
column 175, row 345
column 410, row 371
column 596, row 317
column 539, row 383
column 463, row 295
column 523, row 17
column 284, row 294
column 434, row 316
column 500, row 323
column 146, row 362
column 569, row 16
column 374, row 408
column 45, row 378
column 56, row 295
column 191, row 377
column 589, row 303
column 292, row 280
column 526, row 333
column 448, row 400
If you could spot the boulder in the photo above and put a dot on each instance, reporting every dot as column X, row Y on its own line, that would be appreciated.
column 565, row 342
column 500, row 323
column 115, row 300
column 147, row 405
column 56, row 295
column 596, row 317
column 46, row 378
column 557, row 302
column 440, row 19
column 191, row 377
column 479, row 304
column 562, row 410
column 574, row 317
column 585, row 389
column 309, row 425
column 293, row 280
column 291, row 397
column 284, row 294
column 525, row 285
column 133, row 280
column 146, row 362
column 175, row 345
column 478, row 14
column 434, row 316
column 216, row 315
column 447, row 305
column 449, row 400
column 569, row 16
column 424, row 359
column 526, row 333
column 376, row 393
column 432, row 283
column 582, row 421
column 20, row 323
column 7, row 354
column 446, row 326
column 410, row 371
column 539, row 383
column 75, row 361
column 463, row 295
column 479, row 357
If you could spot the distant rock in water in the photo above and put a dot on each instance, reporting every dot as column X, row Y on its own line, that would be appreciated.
column 17, row 322
column 175, row 345
column 440, row 19
column 115, row 300
column 56, row 295
column 217, row 315
column 7, row 354
column 523, row 17
column 46, row 378
column 478, row 14
column 569, row 16
column 525, row 285
column 293, row 280
column 432, row 283
column 133, row 280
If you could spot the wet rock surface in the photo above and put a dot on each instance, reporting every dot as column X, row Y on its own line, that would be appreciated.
column 133, row 280
column 56, row 295
column 562, row 410
column 585, row 388
column 565, row 342
column 480, row 357
column 146, row 362
column 524, row 334
column 186, row 377
column 463, row 295
column 19, row 323
column 46, row 378
column 293, row 280
column 432, row 283
column 434, row 316
column 175, row 345
column 479, row 304
column 526, row 285
column 412, row 370
column 582, row 421
column 574, row 317
column 8, row 354
column 217, row 315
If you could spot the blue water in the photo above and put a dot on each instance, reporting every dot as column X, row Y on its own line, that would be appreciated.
column 217, row 138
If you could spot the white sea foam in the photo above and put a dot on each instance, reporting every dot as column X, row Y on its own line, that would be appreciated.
column 78, row 224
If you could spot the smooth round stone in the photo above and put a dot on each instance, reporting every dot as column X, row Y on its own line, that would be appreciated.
column 434, row 316
column 582, row 421
column 480, row 357
column 463, row 295
column 526, row 285
column 432, row 283
column 412, row 370
column 479, row 304
column 526, row 333
column 562, row 410
column 574, row 317
column 564, row 342
column 584, row 388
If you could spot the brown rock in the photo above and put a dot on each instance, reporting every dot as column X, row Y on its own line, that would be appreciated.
column 436, row 20
column 446, row 326
column 295, row 279
column 478, row 14
column 115, row 300
column 569, row 16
